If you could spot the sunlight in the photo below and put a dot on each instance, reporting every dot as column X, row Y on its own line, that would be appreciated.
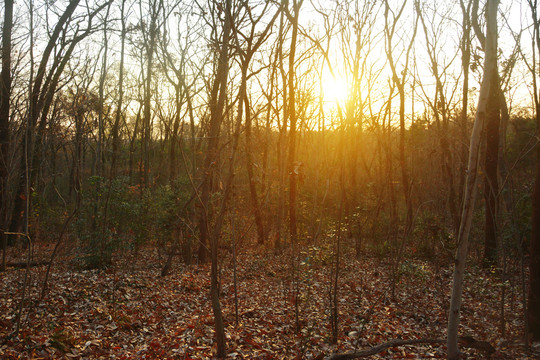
column 335, row 89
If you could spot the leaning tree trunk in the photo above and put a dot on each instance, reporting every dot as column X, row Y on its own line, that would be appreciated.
column 489, row 89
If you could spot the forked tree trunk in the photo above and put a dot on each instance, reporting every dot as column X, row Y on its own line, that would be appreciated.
column 488, row 90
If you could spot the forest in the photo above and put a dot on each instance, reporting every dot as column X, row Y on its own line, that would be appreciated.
column 270, row 179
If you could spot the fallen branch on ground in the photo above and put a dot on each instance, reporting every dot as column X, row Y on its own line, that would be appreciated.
column 464, row 341
column 24, row 264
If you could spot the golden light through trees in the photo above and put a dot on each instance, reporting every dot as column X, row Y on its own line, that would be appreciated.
column 335, row 89
column 223, row 128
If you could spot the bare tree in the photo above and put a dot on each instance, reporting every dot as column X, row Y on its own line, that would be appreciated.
column 292, row 166
column 533, row 307
column 440, row 105
column 5, row 95
column 120, row 103
column 398, row 78
column 150, row 36
column 68, row 32
column 489, row 90
column 247, row 45
column 491, row 162
column 465, row 47
column 217, row 113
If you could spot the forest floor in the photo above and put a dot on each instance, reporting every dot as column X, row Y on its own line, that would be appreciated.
column 129, row 312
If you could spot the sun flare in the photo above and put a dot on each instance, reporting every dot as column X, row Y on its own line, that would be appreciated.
column 335, row 89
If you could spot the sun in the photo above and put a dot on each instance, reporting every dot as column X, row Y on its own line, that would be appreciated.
column 334, row 89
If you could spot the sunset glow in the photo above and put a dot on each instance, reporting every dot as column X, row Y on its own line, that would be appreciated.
column 335, row 89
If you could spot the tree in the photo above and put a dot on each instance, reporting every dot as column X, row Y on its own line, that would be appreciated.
column 292, row 167
column 67, row 33
column 150, row 35
column 489, row 89
column 247, row 45
column 440, row 104
column 491, row 162
column 120, row 103
column 398, row 78
column 217, row 113
column 533, row 308
column 5, row 94
column 465, row 47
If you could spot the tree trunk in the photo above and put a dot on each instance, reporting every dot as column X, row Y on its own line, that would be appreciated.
column 5, row 94
column 281, row 143
column 217, row 106
column 255, row 204
column 533, row 308
column 147, row 121
column 491, row 180
column 118, row 116
column 464, row 121
column 489, row 89
column 399, row 81
column 292, row 166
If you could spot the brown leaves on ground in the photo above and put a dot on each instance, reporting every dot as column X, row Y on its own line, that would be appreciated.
column 129, row 312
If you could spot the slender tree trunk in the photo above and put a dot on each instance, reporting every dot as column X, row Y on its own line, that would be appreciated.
column 441, row 114
column 99, row 148
column 118, row 116
column 217, row 107
column 174, row 138
column 253, row 42
column 281, row 144
column 147, row 121
column 533, row 307
column 132, row 144
column 292, row 166
column 465, row 66
column 5, row 94
column 489, row 88
column 491, row 180
column 255, row 204
column 399, row 81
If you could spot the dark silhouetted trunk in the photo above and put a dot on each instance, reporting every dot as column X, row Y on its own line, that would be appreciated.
column 533, row 308
column 5, row 94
